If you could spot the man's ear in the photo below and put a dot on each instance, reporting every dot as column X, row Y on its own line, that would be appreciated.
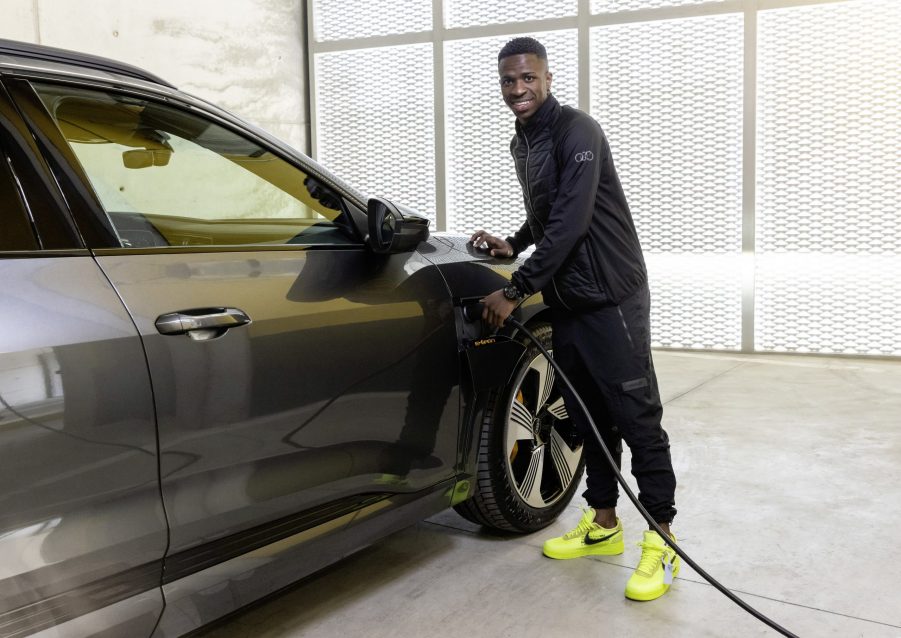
column 550, row 76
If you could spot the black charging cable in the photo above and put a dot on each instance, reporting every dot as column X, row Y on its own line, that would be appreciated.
column 473, row 312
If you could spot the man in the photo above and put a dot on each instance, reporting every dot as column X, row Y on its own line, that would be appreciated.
column 589, row 267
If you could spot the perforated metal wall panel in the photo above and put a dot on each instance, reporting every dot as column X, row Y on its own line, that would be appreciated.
column 482, row 189
column 364, row 18
column 667, row 83
column 612, row 6
column 822, row 303
column 379, row 134
column 695, row 300
column 669, row 97
column 467, row 13
column 829, row 178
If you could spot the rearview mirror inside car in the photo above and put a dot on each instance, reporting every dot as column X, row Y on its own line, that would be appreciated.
column 145, row 158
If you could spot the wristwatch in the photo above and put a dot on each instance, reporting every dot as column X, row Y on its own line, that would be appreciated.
column 512, row 293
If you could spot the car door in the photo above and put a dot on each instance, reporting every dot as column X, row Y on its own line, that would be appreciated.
column 294, row 371
column 82, row 530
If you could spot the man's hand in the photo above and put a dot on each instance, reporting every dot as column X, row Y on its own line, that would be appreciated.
column 496, row 246
column 497, row 308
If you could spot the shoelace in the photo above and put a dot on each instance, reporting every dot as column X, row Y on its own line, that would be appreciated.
column 651, row 557
column 585, row 525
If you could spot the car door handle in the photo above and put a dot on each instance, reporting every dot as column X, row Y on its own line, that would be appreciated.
column 201, row 323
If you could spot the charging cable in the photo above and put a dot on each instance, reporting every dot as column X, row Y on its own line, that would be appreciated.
column 473, row 312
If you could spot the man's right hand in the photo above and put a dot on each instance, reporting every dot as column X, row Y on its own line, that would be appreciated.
column 495, row 246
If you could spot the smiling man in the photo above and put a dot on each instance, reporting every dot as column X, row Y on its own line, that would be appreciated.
column 589, row 268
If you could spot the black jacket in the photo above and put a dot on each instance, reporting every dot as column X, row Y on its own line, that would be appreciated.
column 587, row 253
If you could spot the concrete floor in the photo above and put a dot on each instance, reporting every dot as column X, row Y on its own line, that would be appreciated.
column 789, row 492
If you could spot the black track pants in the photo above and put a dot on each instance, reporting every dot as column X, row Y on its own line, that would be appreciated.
column 606, row 353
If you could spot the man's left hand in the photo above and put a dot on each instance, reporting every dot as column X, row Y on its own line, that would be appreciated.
column 497, row 308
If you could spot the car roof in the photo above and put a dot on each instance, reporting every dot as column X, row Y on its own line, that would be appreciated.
column 52, row 60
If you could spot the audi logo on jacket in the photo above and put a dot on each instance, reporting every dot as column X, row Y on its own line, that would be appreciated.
column 587, row 252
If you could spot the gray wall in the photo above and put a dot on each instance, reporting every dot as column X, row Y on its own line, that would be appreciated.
column 247, row 56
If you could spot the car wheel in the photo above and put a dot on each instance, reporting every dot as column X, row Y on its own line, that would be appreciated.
column 530, row 456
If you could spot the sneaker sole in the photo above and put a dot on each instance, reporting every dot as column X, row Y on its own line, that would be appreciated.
column 648, row 597
column 598, row 550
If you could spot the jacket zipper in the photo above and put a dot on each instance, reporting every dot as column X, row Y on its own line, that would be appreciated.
column 531, row 210
column 525, row 184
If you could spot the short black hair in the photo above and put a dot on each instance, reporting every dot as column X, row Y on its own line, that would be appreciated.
column 519, row 46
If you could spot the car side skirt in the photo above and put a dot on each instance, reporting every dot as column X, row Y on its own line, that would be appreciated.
column 133, row 616
column 129, row 599
column 203, row 584
column 200, row 597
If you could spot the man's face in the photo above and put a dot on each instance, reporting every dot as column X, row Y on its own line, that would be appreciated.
column 525, row 83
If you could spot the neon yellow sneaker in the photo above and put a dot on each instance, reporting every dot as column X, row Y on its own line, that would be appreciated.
column 658, row 566
column 588, row 538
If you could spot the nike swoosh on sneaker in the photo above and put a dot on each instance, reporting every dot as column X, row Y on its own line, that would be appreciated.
column 594, row 541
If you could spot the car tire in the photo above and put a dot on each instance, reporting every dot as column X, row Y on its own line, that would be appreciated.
column 530, row 459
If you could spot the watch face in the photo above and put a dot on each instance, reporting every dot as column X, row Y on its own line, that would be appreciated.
column 511, row 292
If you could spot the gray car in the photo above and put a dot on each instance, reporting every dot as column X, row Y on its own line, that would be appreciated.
column 222, row 368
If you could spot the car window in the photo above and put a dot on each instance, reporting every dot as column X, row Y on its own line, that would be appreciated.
column 167, row 177
column 15, row 226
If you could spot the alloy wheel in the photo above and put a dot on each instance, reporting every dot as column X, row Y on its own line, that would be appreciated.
column 543, row 452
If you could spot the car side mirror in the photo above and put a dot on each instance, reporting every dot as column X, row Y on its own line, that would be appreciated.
column 392, row 232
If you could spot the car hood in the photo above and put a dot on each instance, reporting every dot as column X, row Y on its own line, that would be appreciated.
column 468, row 271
